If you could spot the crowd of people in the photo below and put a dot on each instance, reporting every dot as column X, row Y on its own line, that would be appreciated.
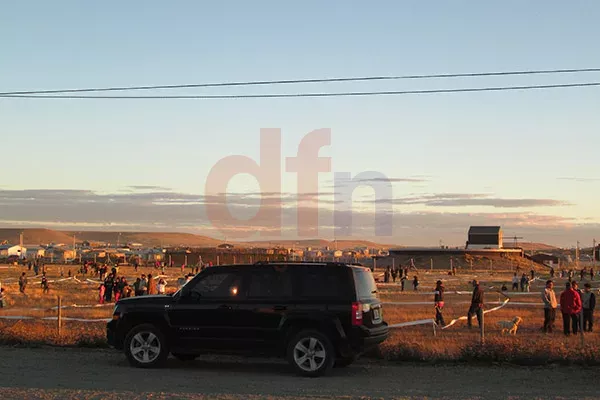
column 117, row 286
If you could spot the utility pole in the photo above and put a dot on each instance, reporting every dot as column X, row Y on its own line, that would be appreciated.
column 577, row 255
column 594, row 255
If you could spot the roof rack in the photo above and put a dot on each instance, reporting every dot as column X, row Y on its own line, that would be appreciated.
column 327, row 263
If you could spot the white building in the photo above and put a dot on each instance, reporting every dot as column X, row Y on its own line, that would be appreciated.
column 8, row 250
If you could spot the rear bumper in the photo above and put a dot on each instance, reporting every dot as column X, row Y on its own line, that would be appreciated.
column 374, row 336
column 362, row 338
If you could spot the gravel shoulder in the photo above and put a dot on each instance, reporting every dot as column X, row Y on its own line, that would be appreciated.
column 64, row 373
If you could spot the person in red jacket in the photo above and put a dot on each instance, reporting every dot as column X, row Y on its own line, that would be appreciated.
column 570, row 306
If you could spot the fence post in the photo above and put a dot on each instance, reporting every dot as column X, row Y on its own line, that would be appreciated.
column 59, row 316
column 431, row 264
column 482, row 329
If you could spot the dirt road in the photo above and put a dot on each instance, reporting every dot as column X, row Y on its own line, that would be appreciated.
column 101, row 374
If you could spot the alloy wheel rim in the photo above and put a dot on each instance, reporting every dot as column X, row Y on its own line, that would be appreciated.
column 145, row 347
column 309, row 354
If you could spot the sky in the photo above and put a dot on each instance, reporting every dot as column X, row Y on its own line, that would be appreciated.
column 524, row 160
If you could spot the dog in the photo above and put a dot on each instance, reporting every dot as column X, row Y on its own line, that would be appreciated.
column 510, row 327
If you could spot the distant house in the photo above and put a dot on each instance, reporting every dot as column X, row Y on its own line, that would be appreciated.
column 7, row 250
column 547, row 259
column 34, row 251
column 484, row 237
column 225, row 246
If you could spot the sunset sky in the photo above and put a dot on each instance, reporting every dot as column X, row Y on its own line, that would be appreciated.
column 525, row 160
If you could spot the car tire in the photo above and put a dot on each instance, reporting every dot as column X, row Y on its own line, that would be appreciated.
column 311, row 353
column 185, row 357
column 146, row 346
column 342, row 362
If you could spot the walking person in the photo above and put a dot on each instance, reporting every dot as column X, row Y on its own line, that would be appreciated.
column 550, row 304
column 439, row 303
column 570, row 306
column 416, row 283
column 476, row 304
column 22, row 283
column 589, row 304
column 403, row 280
column 44, row 283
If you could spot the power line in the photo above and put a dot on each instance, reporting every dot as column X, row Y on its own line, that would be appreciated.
column 302, row 81
column 339, row 94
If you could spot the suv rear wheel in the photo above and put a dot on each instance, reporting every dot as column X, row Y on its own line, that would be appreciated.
column 146, row 346
column 311, row 353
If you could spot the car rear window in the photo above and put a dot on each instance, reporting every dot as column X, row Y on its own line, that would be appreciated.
column 366, row 288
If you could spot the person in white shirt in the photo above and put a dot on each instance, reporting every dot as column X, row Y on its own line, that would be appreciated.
column 162, row 286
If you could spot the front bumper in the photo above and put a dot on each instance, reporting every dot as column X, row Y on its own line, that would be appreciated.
column 111, row 335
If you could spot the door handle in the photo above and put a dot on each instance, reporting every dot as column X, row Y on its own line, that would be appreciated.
column 280, row 308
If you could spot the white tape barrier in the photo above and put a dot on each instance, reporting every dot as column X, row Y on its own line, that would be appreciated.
column 454, row 321
column 22, row 317
column 413, row 323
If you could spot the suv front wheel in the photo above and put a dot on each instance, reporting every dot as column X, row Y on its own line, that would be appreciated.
column 146, row 346
column 311, row 353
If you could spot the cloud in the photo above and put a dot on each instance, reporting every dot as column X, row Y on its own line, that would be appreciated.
column 583, row 180
column 469, row 200
column 392, row 180
column 148, row 187
column 170, row 211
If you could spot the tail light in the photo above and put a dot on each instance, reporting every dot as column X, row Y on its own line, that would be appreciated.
column 357, row 314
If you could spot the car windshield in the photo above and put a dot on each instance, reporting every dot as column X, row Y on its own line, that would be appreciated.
column 366, row 288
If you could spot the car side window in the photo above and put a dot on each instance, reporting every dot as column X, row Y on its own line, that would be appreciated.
column 218, row 285
column 317, row 283
column 270, row 283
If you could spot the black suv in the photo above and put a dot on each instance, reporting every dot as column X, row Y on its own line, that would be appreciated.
column 316, row 315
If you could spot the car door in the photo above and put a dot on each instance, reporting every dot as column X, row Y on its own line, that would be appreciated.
column 267, row 302
column 206, row 314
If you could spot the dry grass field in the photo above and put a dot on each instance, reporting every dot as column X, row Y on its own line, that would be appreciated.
column 415, row 343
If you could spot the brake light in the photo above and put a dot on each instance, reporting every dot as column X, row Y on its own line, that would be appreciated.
column 357, row 314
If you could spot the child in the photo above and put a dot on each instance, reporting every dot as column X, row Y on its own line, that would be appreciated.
column 101, row 291
column 162, row 285
column 2, row 298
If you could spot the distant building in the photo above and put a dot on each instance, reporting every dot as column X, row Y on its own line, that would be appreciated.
column 7, row 250
column 547, row 259
column 484, row 237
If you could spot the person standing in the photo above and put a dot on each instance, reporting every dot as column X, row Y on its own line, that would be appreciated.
column 439, row 303
column 476, row 304
column 589, row 304
column 550, row 304
column 515, row 282
column 151, row 285
column 416, row 283
column 570, row 306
